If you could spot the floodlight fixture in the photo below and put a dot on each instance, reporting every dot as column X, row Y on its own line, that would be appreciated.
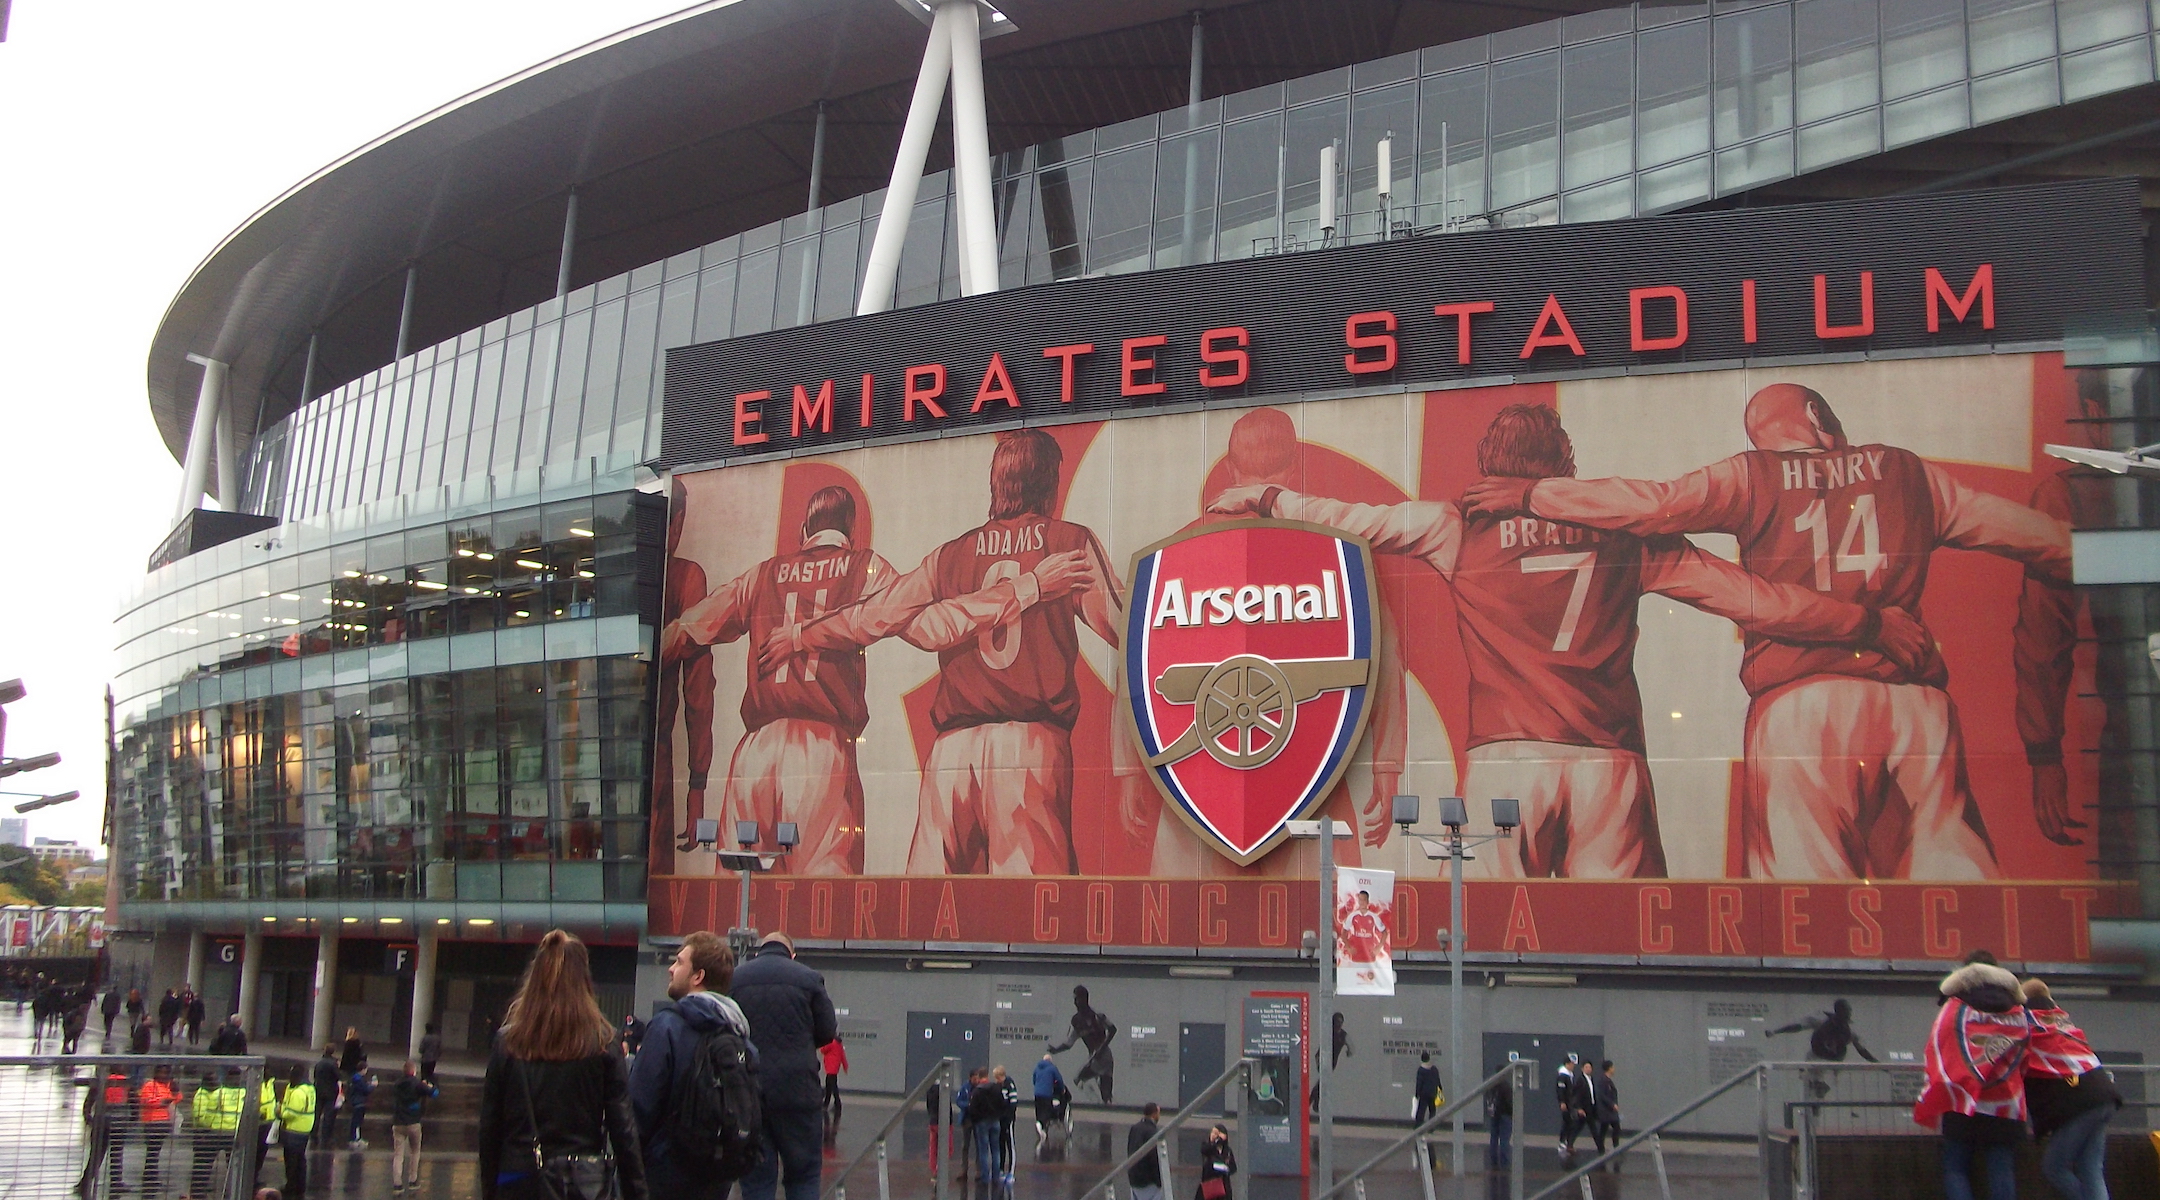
column 787, row 834
column 1506, row 813
column 1406, row 811
column 1454, row 813
column 746, row 834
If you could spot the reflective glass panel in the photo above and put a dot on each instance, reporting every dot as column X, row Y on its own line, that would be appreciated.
column 1753, row 75
column 1672, row 110
column 1451, row 109
column 1525, row 128
column 1120, row 211
column 1923, row 45
column 1250, row 179
column 1837, row 70
column 1597, row 85
column 1185, row 199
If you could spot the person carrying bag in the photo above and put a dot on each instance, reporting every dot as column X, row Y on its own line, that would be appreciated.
column 555, row 1120
column 1217, row 1164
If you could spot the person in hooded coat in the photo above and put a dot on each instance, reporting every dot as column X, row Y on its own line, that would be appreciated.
column 701, row 968
column 1974, row 1093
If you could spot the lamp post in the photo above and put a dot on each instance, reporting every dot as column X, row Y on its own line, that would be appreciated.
column 1327, row 830
column 747, row 860
column 1455, row 814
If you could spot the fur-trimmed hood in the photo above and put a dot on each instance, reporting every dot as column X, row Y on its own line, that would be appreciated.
column 1984, row 986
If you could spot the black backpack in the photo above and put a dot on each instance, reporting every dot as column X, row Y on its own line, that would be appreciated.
column 716, row 1122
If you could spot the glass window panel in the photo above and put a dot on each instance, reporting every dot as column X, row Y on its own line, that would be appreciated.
column 1054, row 243
column 1455, row 103
column 836, row 273
column 759, row 279
column 1014, row 196
column 2027, row 89
column 1511, row 42
column 1185, row 199
column 1315, row 87
column 1246, row 104
column 1607, row 201
column 1250, row 177
column 1672, row 109
column 715, row 302
column 1585, row 27
column 798, row 283
column 2005, row 33
column 1120, row 205
column 1854, row 135
column 2094, row 22
column 2108, row 69
column 1468, row 52
column 1753, row 76
column 1384, row 70
column 1389, row 112
column 1923, row 45
column 601, row 372
column 1745, row 166
column 1835, row 45
column 923, row 255
column 1597, row 85
column 569, row 397
column 1525, row 118
column 1309, row 130
column 1125, row 133
column 1918, row 118
column 540, row 380
column 487, row 397
column 640, row 330
column 949, row 264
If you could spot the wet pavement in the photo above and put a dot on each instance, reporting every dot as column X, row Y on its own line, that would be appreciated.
column 41, row 1152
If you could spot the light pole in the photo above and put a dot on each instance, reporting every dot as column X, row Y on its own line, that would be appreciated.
column 747, row 859
column 1455, row 814
column 1327, row 831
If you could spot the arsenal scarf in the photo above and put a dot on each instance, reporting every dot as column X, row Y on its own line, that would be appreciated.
column 1975, row 1064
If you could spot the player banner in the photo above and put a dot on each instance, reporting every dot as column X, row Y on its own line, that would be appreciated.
column 1724, row 635
column 1364, row 932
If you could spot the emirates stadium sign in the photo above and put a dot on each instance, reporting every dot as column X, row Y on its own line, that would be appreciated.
column 1249, row 653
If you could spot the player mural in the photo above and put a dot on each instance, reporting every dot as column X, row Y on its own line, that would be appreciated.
column 1778, row 663
column 1364, row 946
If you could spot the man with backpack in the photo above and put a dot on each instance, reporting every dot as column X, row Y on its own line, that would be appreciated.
column 694, row 1085
column 408, row 1104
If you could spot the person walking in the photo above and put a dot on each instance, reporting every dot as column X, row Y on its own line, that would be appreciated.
column 168, row 1014
column 230, row 1038
column 110, row 1008
column 1145, row 1176
column 1048, row 1079
column 358, row 1087
column 408, row 1106
column 430, row 1052
column 633, row 1039
column 139, row 1036
column 195, row 1015
column 154, row 1108
column 296, row 1126
column 834, row 1053
column 2071, row 1098
column 667, row 1057
column 790, row 1016
column 1217, row 1164
column 135, row 1007
column 1566, row 1084
column 354, row 1052
column 1008, row 1090
column 1500, row 1126
column 327, row 1078
column 1605, row 1107
column 556, row 1098
column 267, row 1129
column 1974, row 1094
column 1426, row 1089
column 984, row 1105
column 75, row 1020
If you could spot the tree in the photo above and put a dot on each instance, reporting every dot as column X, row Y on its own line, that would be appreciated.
column 90, row 893
column 39, row 881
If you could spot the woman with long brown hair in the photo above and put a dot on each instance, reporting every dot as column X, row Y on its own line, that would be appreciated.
column 555, row 1119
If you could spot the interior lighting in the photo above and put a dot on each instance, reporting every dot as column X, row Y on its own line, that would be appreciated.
column 581, row 532
column 479, row 920
column 485, row 557
column 393, row 920
column 530, row 565
column 288, row 596
column 352, row 920
column 350, row 574
column 521, row 612
column 584, row 575
column 431, row 585
column 269, row 920
column 463, row 553
column 472, row 591
column 442, row 920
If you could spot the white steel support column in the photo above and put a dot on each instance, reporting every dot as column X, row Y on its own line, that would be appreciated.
column 198, row 945
column 251, row 952
column 971, row 152
column 883, row 268
column 423, row 993
column 228, row 462
column 319, row 1029
column 202, row 436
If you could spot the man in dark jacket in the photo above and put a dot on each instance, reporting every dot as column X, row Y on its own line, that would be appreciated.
column 790, row 1016
column 168, row 1013
column 1500, row 1126
column 230, row 1038
column 1426, row 1091
column 110, row 1008
column 327, row 1078
column 1145, row 1176
column 1604, row 1106
column 699, row 970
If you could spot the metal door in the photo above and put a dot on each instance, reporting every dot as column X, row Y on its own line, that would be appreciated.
column 936, row 1035
column 1539, row 1112
column 1200, row 1058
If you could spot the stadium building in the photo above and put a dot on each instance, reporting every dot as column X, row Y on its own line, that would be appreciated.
column 456, row 640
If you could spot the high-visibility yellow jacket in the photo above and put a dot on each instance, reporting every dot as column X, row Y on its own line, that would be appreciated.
column 298, row 1109
column 266, row 1109
column 218, row 1108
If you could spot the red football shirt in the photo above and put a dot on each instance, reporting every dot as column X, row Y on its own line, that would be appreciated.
column 1022, row 668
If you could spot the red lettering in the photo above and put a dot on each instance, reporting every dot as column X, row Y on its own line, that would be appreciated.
column 1067, row 355
column 1406, row 916
column 747, row 418
column 1936, row 940
column 1791, row 921
column 1551, row 329
column 924, row 393
column 1981, row 289
column 1274, row 914
column 1046, row 926
column 1462, row 314
column 946, row 925
column 1747, row 311
column 1652, row 935
column 1132, row 363
column 808, row 411
column 786, row 889
column 1824, row 329
column 865, row 911
column 1155, row 914
column 1867, row 940
column 997, row 384
column 2080, row 920
column 1214, row 931
column 1725, row 921
column 1521, row 925
column 1678, row 338
column 1356, row 339
column 869, row 391
column 821, row 909
column 1232, row 356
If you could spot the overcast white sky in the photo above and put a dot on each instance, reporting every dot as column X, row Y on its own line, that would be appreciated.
column 134, row 136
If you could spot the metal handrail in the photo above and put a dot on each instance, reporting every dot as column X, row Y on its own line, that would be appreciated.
column 1760, row 1072
column 1520, row 1071
column 1109, row 1180
column 947, row 1069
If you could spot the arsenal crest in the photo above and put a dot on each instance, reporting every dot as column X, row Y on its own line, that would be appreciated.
column 1249, row 656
